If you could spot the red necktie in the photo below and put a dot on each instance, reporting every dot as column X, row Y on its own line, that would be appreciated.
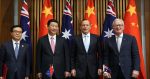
column 52, row 44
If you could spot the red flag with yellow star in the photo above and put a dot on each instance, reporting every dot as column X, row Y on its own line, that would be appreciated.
column 132, row 27
column 45, row 16
column 90, row 14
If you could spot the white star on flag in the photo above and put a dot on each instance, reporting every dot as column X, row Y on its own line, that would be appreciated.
column 66, row 34
column 24, row 35
column 109, row 33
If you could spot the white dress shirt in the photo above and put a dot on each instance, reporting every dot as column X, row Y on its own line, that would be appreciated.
column 119, row 41
column 86, row 41
column 14, row 45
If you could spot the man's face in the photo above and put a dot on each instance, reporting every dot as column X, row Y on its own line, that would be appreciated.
column 85, row 26
column 118, row 26
column 53, row 28
column 16, row 33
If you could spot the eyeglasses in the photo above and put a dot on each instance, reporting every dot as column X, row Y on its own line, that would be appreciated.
column 15, row 31
column 118, row 25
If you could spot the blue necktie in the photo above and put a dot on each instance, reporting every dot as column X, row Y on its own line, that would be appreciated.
column 16, row 50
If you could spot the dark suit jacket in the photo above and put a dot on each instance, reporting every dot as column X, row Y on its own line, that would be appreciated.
column 45, row 57
column 127, row 58
column 82, row 60
column 21, row 65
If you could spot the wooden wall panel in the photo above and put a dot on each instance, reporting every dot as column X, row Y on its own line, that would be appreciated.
column 78, row 9
column 147, row 32
column 6, row 19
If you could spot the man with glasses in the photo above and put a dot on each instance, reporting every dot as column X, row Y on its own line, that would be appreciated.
column 121, row 54
column 15, row 55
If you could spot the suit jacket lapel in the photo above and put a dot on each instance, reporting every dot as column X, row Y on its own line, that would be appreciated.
column 114, row 44
column 21, row 46
column 11, row 48
column 56, row 44
column 123, row 42
column 47, row 44
column 81, row 42
column 91, row 42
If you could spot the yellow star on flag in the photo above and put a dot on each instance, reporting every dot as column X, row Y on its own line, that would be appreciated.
column 133, row 24
column 47, row 11
column 90, row 11
column 45, row 26
column 137, row 26
column 95, row 26
column 131, row 10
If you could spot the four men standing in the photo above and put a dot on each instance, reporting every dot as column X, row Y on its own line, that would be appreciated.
column 84, row 61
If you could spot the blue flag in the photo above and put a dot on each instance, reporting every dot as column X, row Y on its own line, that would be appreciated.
column 107, row 26
column 50, row 71
column 67, row 27
column 25, row 23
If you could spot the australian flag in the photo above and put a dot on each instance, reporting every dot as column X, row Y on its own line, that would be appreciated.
column 50, row 71
column 107, row 26
column 67, row 23
column 25, row 23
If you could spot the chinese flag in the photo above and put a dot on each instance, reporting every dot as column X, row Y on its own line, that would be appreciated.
column 90, row 14
column 45, row 16
column 132, row 27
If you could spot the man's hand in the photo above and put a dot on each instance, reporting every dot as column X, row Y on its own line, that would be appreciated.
column 1, row 77
column 73, row 72
column 135, row 73
column 107, row 75
column 67, row 74
column 99, row 71
column 26, row 77
column 39, row 75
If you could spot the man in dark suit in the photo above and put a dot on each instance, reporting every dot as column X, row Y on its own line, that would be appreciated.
column 121, row 54
column 15, row 55
column 86, row 60
column 52, row 50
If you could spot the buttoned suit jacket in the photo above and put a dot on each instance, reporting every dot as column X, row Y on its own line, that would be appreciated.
column 20, row 65
column 127, row 58
column 45, row 57
column 82, row 60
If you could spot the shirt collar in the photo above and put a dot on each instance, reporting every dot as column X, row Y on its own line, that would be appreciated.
column 120, row 36
column 51, row 36
column 15, row 41
column 83, row 35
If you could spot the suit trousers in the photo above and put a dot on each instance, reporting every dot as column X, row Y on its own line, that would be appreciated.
column 87, row 75
column 15, row 76
column 118, row 74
